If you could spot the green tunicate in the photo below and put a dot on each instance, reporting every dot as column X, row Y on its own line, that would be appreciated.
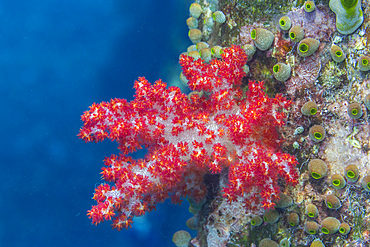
column 249, row 50
column 354, row 110
column 332, row 202
column 317, row 168
column 206, row 54
column 309, row 6
column 195, row 10
column 349, row 15
column 338, row 181
column 293, row 219
column 309, row 108
column 367, row 101
column 200, row 45
column 296, row 33
column 284, row 201
column 366, row 183
column 337, row 53
column 195, row 35
column 256, row 221
column 344, row 228
column 271, row 216
column 192, row 48
column 311, row 227
column 330, row 225
column 364, row 63
column 192, row 223
column 217, row 51
column 317, row 243
column 307, row 47
column 311, row 210
column 192, row 22
column 209, row 22
column 194, row 54
column 352, row 173
column 281, row 71
column 181, row 238
column 285, row 23
column 317, row 133
column 266, row 242
column 262, row 38
column 219, row 17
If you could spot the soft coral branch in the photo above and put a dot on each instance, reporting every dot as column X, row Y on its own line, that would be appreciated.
column 188, row 138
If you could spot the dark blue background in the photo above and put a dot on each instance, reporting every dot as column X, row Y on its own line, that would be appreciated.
column 57, row 58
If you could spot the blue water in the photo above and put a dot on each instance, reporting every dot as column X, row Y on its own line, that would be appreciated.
column 56, row 59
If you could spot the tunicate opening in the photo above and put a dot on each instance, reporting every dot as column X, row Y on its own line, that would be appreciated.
column 303, row 47
column 317, row 135
column 325, row 230
column 336, row 182
column 253, row 34
column 351, row 174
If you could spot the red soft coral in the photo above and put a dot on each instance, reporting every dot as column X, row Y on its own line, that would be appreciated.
column 186, row 139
